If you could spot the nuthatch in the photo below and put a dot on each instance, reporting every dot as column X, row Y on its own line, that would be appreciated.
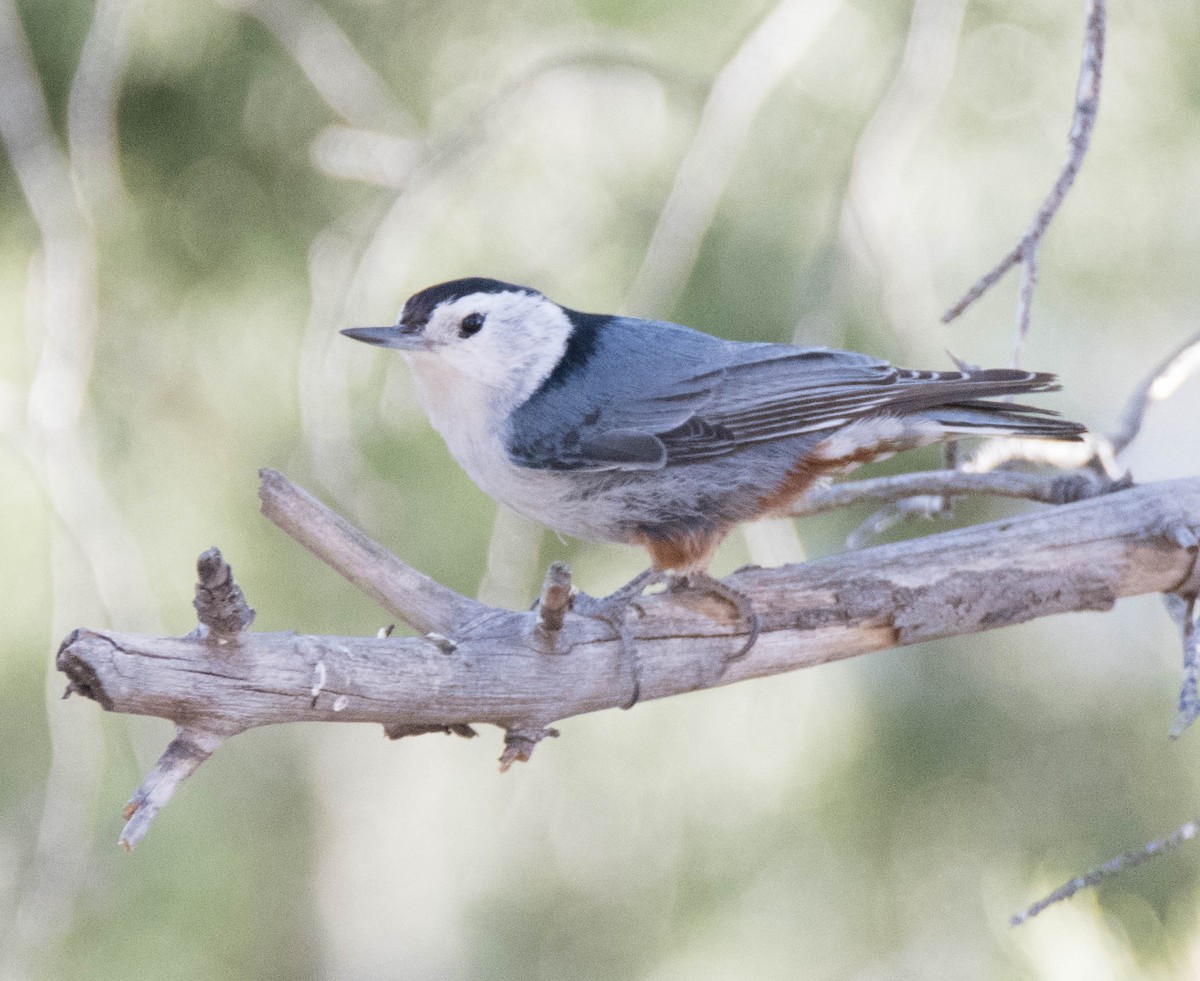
column 653, row 434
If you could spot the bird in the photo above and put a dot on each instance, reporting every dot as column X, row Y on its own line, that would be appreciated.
column 653, row 434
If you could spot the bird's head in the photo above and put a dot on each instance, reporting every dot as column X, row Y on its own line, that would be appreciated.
column 509, row 338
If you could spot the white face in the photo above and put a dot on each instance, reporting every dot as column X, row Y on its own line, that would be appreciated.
column 521, row 339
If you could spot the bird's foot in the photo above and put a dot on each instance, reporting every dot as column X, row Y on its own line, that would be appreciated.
column 704, row 583
column 614, row 610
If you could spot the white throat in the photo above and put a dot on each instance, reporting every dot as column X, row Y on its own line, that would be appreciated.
column 468, row 387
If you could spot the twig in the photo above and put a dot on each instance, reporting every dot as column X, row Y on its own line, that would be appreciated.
column 1059, row 489
column 1160, row 384
column 512, row 559
column 219, row 602
column 1029, row 276
column 92, row 106
column 180, row 760
column 555, row 599
column 420, row 601
column 1083, row 121
column 519, row 743
column 1189, row 697
column 1127, row 860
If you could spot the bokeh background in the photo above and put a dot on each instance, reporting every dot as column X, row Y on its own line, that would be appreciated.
column 196, row 195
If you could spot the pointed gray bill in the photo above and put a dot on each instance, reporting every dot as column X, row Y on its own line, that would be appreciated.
column 397, row 337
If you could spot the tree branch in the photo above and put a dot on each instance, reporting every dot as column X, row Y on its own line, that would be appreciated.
column 1055, row 489
column 1126, row 860
column 1158, row 385
column 521, row 670
column 421, row 602
column 1083, row 121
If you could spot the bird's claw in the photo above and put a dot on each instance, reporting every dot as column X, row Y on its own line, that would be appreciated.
column 614, row 609
column 704, row 583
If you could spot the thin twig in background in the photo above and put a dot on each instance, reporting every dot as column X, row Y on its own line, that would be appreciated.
column 878, row 227
column 93, row 555
column 337, row 72
column 1121, row 863
column 1189, row 696
column 739, row 91
column 92, row 138
column 512, row 559
column 1087, row 100
column 1160, row 384
column 1083, row 121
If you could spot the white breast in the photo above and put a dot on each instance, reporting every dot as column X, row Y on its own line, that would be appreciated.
column 470, row 417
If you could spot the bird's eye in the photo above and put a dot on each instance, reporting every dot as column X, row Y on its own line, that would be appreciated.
column 470, row 324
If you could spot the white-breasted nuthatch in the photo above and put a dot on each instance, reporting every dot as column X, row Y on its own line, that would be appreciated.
column 652, row 434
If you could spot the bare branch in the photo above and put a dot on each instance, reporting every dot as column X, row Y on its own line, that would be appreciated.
column 1189, row 697
column 1083, row 121
column 1083, row 556
column 1160, row 384
column 1113, row 866
column 1029, row 275
column 179, row 761
column 1059, row 489
column 420, row 601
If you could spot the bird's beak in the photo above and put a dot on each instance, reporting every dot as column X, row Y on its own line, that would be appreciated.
column 398, row 337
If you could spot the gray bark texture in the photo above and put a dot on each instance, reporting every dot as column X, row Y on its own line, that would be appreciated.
column 504, row 667
column 522, row 670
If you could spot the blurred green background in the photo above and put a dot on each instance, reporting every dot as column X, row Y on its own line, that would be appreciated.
column 196, row 195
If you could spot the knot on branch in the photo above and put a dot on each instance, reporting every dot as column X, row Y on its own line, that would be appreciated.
column 219, row 602
column 398, row 730
column 1079, row 486
column 519, row 742
column 555, row 598
column 82, row 678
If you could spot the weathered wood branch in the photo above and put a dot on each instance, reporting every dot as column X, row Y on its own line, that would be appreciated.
column 422, row 602
column 523, row 670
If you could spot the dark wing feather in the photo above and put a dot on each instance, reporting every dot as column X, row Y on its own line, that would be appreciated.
column 885, row 391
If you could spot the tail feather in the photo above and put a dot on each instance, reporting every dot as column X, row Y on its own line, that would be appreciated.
column 979, row 417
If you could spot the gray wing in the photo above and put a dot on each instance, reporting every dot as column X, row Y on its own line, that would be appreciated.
column 651, row 395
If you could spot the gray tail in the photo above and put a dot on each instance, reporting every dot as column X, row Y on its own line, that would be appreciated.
column 979, row 415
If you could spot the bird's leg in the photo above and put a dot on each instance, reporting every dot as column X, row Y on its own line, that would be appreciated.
column 613, row 610
column 703, row 582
